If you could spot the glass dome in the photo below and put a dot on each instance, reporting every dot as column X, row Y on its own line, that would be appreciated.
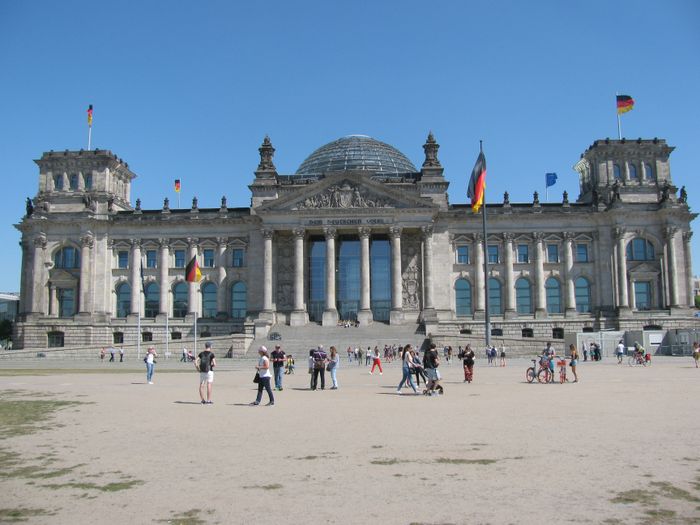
column 357, row 152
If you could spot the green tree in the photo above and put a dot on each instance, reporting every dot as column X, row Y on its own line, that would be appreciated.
column 697, row 301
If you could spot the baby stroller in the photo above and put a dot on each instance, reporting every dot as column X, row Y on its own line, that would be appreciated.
column 433, row 386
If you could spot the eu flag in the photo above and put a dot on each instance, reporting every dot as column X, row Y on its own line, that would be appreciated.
column 551, row 179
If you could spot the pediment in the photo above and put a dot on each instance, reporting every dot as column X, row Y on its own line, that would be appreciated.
column 644, row 268
column 60, row 276
column 346, row 191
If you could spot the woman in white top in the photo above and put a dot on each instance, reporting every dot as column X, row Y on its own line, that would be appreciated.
column 150, row 360
column 263, row 368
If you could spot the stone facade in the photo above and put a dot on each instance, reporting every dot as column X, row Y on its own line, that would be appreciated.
column 93, row 264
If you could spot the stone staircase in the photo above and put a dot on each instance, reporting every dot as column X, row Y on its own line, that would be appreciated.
column 298, row 340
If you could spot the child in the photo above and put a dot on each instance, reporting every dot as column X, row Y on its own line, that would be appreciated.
column 290, row 364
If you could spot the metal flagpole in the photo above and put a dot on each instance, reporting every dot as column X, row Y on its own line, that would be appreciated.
column 487, row 317
column 89, row 137
column 138, row 330
column 167, row 331
column 619, row 128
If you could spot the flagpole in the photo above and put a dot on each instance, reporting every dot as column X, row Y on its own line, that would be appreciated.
column 487, row 317
column 619, row 128
column 138, row 330
column 89, row 137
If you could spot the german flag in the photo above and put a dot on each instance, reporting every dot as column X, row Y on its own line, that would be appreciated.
column 192, row 272
column 625, row 103
column 477, row 183
column 89, row 112
column 177, row 185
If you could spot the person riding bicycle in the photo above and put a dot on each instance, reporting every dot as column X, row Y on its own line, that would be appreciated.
column 638, row 351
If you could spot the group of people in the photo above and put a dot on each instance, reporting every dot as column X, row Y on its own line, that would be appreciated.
column 492, row 355
column 112, row 353
column 548, row 360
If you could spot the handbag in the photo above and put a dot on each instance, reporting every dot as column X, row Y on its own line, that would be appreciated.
column 256, row 379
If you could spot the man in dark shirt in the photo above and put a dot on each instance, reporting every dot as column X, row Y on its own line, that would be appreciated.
column 278, row 359
column 431, row 361
column 206, row 372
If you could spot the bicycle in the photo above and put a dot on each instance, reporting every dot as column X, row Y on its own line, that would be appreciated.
column 542, row 375
column 636, row 360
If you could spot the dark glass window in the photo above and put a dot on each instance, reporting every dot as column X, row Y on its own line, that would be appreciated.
column 58, row 182
column 208, row 256
column 642, row 295
column 87, row 181
column 67, row 258
column 238, row 258
column 553, row 294
column 497, row 332
column 640, row 250
column 557, row 333
column 582, row 291
column 495, row 304
column 209, row 307
column 180, row 300
column 523, row 296
column 147, row 337
column 616, row 172
column 118, row 338
column 55, row 339
column 317, row 279
column 123, row 257
column 123, row 300
column 239, row 299
column 152, row 293
column 523, row 253
column 348, row 278
column 66, row 302
column 380, row 279
column 527, row 332
column 176, row 336
column 648, row 172
column 633, row 172
column 179, row 258
column 73, row 181
column 581, row 252
column 493, row 254
column 463, row 297
column 462, row 254
column 151, row 258
column 552, row 253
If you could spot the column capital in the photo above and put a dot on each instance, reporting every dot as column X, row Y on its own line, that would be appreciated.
column 569, row 236
column 670, row 232
column 40, row 240
column 222, row 241
column 299, row 233
column 364, row 232
column 87, row 240
column 427, row 231
column 538, row 236
column 330, row 233
column 687, row 235
column 619, row 233
column 478, row 238
column 135, row 243
column 507, row 236
column 192, row 241
column 395, row 232
column 164, row 243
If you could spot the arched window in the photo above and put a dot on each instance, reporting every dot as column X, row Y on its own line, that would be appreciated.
column 640, row 250
column 66, row 258
column 463, row 297
column 239, row 298
column 123, row 300
column 180, row 300
column 523, row 296
column 152, row 293
column 582, row 289
column 495, row 302
column 633, row 172
column 209, row 300
column 616, row 172
column 552, row 289
column 648, row 172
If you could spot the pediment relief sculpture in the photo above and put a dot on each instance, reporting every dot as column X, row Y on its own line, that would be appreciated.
column 344, row 196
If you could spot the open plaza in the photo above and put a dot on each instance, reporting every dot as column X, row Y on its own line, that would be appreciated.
column 97, row 444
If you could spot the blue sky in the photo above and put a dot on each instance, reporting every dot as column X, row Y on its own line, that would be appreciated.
column 189, row 89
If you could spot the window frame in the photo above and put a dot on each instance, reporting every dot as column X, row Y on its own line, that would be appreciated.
column 583, row 245
column 208, row 258
column 151, row 258
column 237, row 262
column 177, row 262
column 495, row 257
column 549, row 247
column 523, row 253
column 462, row 254
column 123, row 259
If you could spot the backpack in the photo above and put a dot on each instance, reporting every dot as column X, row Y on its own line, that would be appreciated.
column 319, row 360
column 204, row 361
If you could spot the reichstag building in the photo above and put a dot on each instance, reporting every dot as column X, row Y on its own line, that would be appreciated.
column 357, row 233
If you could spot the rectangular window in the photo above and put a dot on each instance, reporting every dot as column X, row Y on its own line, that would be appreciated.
column 238, row 258
column 642, row 295
column 493, row 254
column 208, row 256
column 123, row 256
column 552, row 253
column 66, row 302
column 151, row 258
column 523, row 253
column 462, row 254
column 87, row 181
column 73, row 181
column 118, row 338
column 58, row 182
column 179, row 258
column 581, row 252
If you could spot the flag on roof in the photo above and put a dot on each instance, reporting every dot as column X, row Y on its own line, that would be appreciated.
column 192, row 272
column 477, row 183
column 625, row 103
column 89, row 113
column 551, row 179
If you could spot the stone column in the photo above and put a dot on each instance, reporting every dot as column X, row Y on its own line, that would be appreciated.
column 87, row 241
column 364, row 316
column 672, row 267
column 396, row 316
column 267, row 270
column 479, row 275
column 135, row 277
column 510, row 285
column 36, row 299
column 221, row 288
column 330, row 314
column 598, row 300
column 428, row 266
column 688, row 268
column 193, row 287
column 622, row 296
column 53, row 300
column 540, row 295
column 163, row 281
column 299, row 315
column 570, row 292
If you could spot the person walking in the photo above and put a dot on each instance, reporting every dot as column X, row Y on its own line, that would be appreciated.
column 359, row 356
column 207, row 362
column 183, row 359
column 263, row 368
column 406, row 368
column 111, row 354
column 319, row 358
column 376, row 362
column 278, row 360
column 574, row 361
column 150, row 361
column 418, row 368
column 468, row 363
column 503, row 356
column 368, row 355
column 333, row 363
column 619, row 351
column 696, row 353
column 121, row 354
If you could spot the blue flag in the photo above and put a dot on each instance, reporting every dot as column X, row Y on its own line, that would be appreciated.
column 551, row 179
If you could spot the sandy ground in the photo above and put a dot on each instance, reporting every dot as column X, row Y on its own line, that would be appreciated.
column 498, row 450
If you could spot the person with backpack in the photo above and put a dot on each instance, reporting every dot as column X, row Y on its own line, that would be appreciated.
column 206, row 362
column 319, row 368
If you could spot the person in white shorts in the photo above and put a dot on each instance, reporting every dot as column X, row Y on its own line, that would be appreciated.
column 207, row 362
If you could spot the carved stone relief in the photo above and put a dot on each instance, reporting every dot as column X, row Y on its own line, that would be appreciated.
column 285, row 273
column 411, row 264
column 345, row 196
